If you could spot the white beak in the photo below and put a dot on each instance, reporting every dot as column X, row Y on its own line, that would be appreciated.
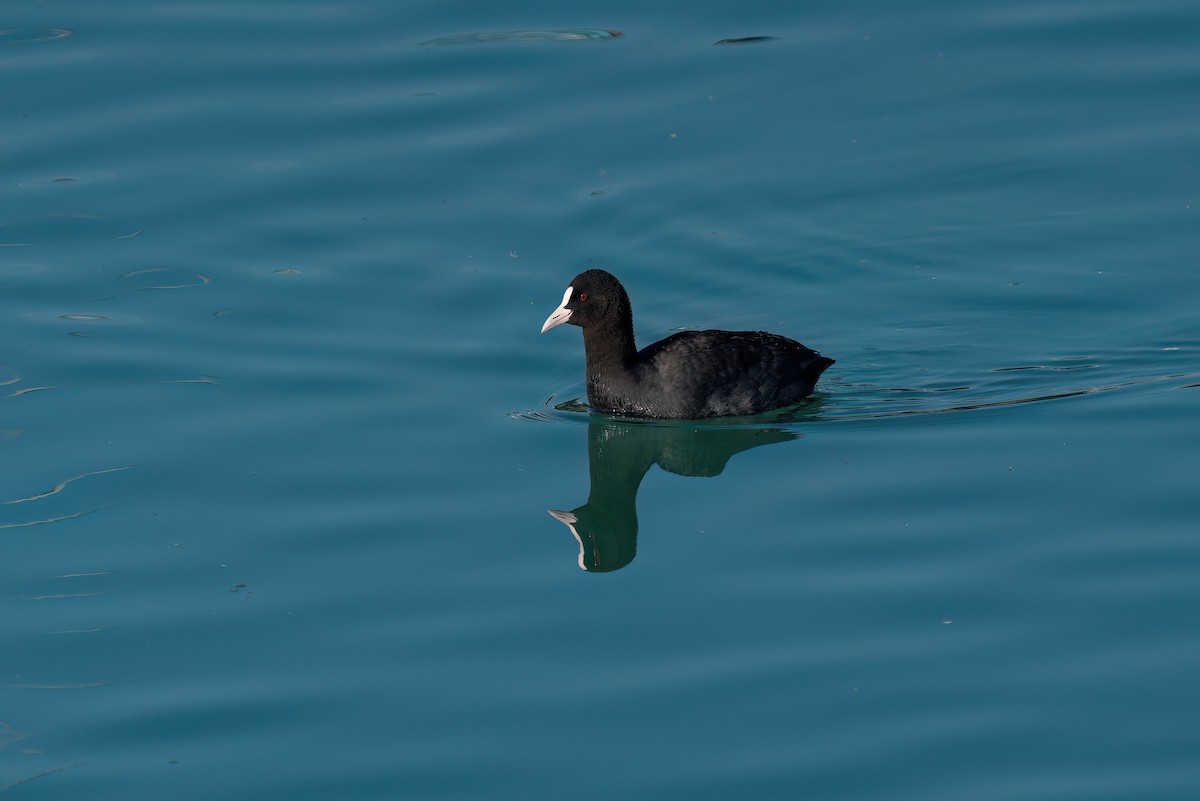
column 561, row 314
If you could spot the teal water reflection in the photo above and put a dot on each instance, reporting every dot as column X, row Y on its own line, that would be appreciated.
column 620, row 454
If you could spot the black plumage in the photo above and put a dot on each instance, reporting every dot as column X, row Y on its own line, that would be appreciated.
column 688, row 375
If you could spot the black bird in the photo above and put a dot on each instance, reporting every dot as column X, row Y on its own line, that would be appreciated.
column 688, row 375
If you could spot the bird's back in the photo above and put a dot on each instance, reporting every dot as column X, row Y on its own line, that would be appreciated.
column 697, row 374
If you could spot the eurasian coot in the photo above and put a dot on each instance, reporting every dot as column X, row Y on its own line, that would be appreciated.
column 688, row 375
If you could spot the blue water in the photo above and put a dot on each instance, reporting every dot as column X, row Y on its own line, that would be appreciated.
column 279, row 435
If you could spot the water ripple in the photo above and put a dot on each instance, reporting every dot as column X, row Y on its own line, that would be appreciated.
column 41, row 775
column 61, row 227
column 191, row 279
column 868, row 402
column 59, row 487
column 157, row 278
column 60, row 595
column 48, row 520
column 90, row 685
column 9, row 734
column 488, row 37
column 575, row 411
column 29, row 390
column 12, row 36
column 859, row 401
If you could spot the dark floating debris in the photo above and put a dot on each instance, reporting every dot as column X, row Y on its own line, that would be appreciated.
column 582, row 34
column 741, row 40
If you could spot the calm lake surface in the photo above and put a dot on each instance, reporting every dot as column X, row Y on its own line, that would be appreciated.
column 278, row 432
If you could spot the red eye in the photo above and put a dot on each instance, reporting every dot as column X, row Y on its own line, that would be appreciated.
column 583, row 296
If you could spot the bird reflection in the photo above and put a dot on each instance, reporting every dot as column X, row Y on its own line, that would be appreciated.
column 620, row 454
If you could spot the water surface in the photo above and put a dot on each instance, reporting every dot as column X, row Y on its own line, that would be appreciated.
column 279, row 434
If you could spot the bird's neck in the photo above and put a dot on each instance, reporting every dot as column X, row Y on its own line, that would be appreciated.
column 609, row 346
